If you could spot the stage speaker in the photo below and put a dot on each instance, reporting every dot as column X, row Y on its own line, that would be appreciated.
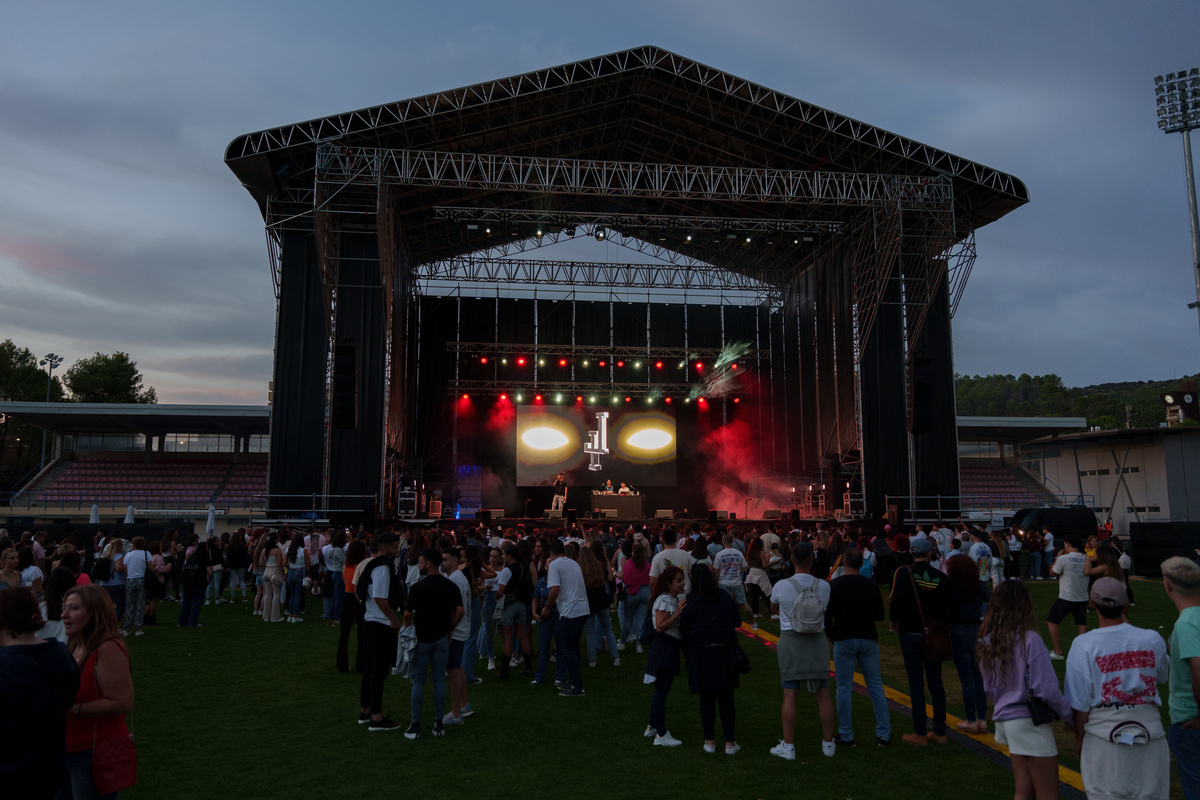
column 664, row 513
column 344, row 408
column 435, row 509
column 610, row 513
column 553, row 513
column 571, row 516
column 732, row 515
column 484, row 515
column 773, row 513
column 722, row 514
column 922, row 396
column 712, row 515
column 795, row 515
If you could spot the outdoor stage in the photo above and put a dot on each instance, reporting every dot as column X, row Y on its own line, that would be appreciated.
column 772, row 294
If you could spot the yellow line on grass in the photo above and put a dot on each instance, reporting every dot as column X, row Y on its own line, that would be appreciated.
column 1067, row 776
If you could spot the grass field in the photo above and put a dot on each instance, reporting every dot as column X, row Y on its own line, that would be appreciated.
column 241, row 708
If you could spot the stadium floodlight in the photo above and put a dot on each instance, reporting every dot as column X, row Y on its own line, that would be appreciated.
column 1178, row 98
column 52, row 361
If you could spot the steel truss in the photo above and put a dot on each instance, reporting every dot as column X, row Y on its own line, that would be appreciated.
column 579, row 388
column 342, row 166
column 649, row 222
column 593, row 351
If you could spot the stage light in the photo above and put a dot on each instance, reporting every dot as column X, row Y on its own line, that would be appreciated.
column 538, row 233
column 687, row 399
column 488, row 230
column 578, row 399
column 519, row 398
column 668, row 400
column 626, row 399
column 520, row 362
column 541, row 362
column 620, row 363
column 538, row 398
column 483, row 360
column 558, row 398
column 737, row 400
column 616, row 400
column 503, row 397
column 562, row 362
column 733, row 366
column 637, row 365
column 747, row 240
column 585, row 362
column 600, row 234
column 795, row 241
column 682, row 364
column 689, row 237
column 699, row 366
column 649, row 399
column 571, row 232
column 466, row 397
column 591, row 399
column 658, row 365
column 604, row 363
column 504, row 361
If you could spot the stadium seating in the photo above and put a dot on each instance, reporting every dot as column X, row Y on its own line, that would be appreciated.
column 992, row 482
column 183, row 481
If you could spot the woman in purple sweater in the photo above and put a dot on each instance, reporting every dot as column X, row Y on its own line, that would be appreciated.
column 1009, row 649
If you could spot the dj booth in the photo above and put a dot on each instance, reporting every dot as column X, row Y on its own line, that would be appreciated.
column 620, row 506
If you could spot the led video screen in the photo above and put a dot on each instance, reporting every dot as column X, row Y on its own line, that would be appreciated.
column 593, row 445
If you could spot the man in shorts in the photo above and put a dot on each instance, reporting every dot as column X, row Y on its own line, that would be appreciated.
column 1072, row 593
column 459, row 706
column 730, row 566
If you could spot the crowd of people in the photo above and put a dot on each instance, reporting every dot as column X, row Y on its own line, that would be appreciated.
column 427, row 604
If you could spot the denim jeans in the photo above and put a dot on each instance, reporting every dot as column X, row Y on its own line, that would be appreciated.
column 189, row 609
column 962, row 644
column 1035, row 564
column 634, row 613
column 77, row 782
column 295, row 590
column 567, row 631
column 352, row 614
column 546, row 632
column 117, row 593
column 332, row 610
column 599, row 628
column 1185, row 746
column 435, row 655
column 471, row 648
column 487, row 627
column 237, row 579
column 866, row 653
column 214, row 587
column 912, row 646
column 380, row 641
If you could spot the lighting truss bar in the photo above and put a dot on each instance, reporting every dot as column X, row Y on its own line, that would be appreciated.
column 568, row 219
column 589, row 273
column 576, row 388
column 370, row 166
column 490, row 349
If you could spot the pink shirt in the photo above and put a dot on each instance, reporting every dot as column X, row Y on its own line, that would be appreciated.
column 633, row 577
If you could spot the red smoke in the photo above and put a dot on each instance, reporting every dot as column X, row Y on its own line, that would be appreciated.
column 731, row 458
column 501, row 417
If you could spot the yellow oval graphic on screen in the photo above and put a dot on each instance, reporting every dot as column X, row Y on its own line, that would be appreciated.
column 649, row 439
column 544, row 439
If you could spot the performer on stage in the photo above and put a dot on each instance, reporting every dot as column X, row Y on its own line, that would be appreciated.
column 607, row 487
column 624, row 489
column 560, row 493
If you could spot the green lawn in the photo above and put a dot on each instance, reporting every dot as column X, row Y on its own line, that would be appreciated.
column 241, row 708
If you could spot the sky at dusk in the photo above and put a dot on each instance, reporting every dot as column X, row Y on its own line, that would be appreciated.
column 122, row 229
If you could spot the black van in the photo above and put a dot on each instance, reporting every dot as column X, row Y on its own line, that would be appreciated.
column 1062, row 521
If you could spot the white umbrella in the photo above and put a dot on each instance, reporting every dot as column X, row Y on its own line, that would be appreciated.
column 210, row 527
column 129, row 514
column 94, row 517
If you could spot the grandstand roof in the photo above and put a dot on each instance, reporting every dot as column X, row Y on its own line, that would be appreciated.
column 147, row 419
column 1015, row 430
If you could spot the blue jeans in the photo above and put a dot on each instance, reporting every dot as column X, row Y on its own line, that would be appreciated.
column 962, row 644
column 1185, row 745
column 77, row 782
column 866, row 653
column 567, row 630
column 633, row 613
column 189, row 609
column 332, row 610
column 117, row 593
column 546, row 632
column 599, row 628
column 487, row 628
column 1035, row 565
column 434, row 654
column 912, row 646
column 471, row 648
column 295, row 587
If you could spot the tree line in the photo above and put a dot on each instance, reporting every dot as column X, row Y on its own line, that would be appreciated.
column 101, row 378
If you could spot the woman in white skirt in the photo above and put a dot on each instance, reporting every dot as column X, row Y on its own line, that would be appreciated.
column 1016, row 665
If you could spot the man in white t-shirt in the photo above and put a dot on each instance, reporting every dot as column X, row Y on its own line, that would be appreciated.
column 981, row 554
column 671, row 556
column 569, row 595
column 458, row 640
column 1047, row 547
column 1072, row 592
column 770, row 538
column 730, row 565
column 1112, row 679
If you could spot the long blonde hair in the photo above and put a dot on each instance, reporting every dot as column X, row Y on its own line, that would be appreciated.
column 1009, row 616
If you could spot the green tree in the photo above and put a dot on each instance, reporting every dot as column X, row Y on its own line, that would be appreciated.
column 21, row 379
column 108, row 379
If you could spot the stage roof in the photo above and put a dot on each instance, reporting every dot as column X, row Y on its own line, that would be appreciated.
column 645, row 105
column 147, row 419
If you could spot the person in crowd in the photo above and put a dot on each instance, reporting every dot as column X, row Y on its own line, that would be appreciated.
column 157, row 574
column 216, row 560
column 1033, row 545
column 547, row 628
column 1112, row 679
column 598, row 627
column 237, row 559
column 352, row 610
column 968, row 600
column 10, row 574
column 1105, row 562
column 885, row 559
column 1015, row 664
column 731, row 567
column 333, row 556
column 921, row 595
column 1181, row 581
column 61, row 581
column 981, row 553
column 855, row 605
column 708, row 628
column 297, row 562
column 1072, row 593
column 901, row 553
column 460, row 706
column 635, row 574
column 137, row 563
column 662, row 664
column 105, row 695
column 758, row 580
column 381, row 595
column 195, row 575
column 270, row 565
column 472, row 567
column 802, row 649
column 31, row 570
column 109, row 572
column 671, row 556
column 1048, row 549
column 487, row 624
column 1015, row 545
column 999, row 563
column 38, row 682
column 513, row 585
column 568, row 595
column 435, row 609
column 170, row 549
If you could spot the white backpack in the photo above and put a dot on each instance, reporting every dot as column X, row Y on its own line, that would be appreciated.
column 807, row 612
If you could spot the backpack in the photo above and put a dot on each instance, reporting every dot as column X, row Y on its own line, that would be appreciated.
column 102, row 569
column 520, row 588
column 807, row 612
column 397, row 589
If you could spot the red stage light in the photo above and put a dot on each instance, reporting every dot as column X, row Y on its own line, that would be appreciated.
column 578, row 399
column 620, row 363
column 668, row 400
column 733, row 366
column 520, row 362
column 699, row 365
column 466, row 397
column 562, row 362
column 658, row 365
column 604, row 363
column 626, row 399
column 503, row 397
column 737, row 400
column 538, row 398
column 483, row 360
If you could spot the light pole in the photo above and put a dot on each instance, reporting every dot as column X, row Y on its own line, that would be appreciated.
column 51, row 361
column 1178, row 98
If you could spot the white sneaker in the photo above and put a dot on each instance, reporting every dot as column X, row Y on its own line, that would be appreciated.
column 753, row 626
column 775, row 617
column 491, row 664
column 620, row 645
column 784, row 751
column 667, row 741
column 1057, row 657
column 591, row 663
column 710, row 748
column 828, row 749
column 730, row 749
column 616, row 662
column 650, row 731
column 639, row 647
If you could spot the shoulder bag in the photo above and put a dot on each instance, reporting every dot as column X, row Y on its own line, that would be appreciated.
column 937, row 634
column 1040, row 711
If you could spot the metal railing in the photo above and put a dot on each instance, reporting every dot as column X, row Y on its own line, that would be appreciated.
column 247, row 502
column 949, row 506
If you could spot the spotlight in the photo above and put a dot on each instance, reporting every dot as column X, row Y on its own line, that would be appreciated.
column 682, row 364
column 600, row 233
column 539, row 233
column 541, row 362
column 626, row 399
column 578, row 399
column 668, row 400
column 737, row 400
column 733, row 366
column 466, row 397
column 649, row 399
column 519, row 398
column 658, row 365
column 571, row 232
column 620, row 363
column 747, row 238
column 585, row 362
column 487, row 230
column 616, row 400
column 687, row 399
column 699, row 366
column 504, row 361
column 503, row 397
column 558, row 398
column 483, row 360
column 538, row 398
column 689, row 237
column 562, row 362
column 591, row 399
column 637, row 365
column 604, row 363
column 795, row 241
column 520, row 362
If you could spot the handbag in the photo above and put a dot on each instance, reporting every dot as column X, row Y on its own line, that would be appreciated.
column 114, row 761
column 937, row 634
column 1040, row 711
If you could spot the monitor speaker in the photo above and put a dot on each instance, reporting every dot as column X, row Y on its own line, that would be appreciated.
column 571, row 516
column 610, row 513
column 795, row 515
column 435, row 509
column 664, row 513
column 722, row 514
column 344, row 401
column 773, row 513
column 553, row 513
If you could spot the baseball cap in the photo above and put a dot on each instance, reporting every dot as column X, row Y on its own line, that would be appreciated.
column 387, row 537
column 921, row 545
column 1109, row 593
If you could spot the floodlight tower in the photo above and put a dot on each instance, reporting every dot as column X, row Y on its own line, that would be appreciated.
column 51, row 361
column 1179, row 112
